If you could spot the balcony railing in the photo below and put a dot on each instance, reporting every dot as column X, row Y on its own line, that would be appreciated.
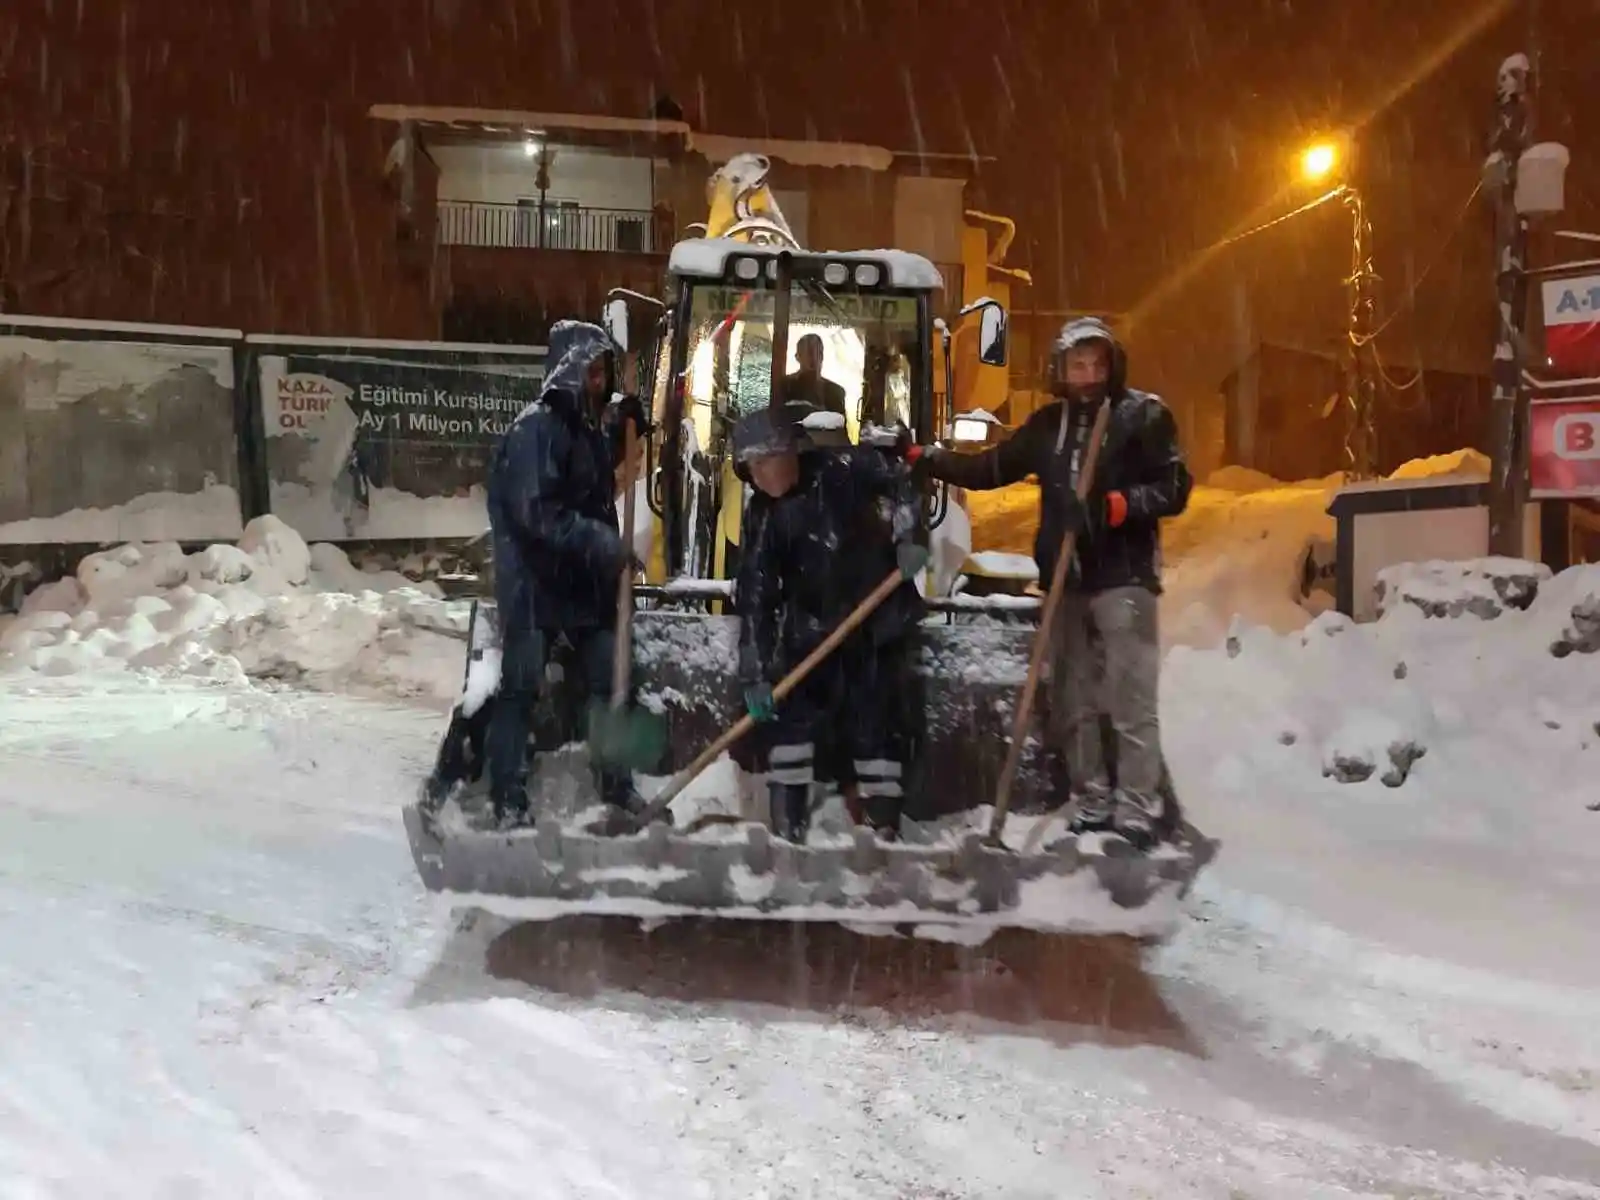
column 564, row 227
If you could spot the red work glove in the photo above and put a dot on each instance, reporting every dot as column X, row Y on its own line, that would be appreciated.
column 1116, row 509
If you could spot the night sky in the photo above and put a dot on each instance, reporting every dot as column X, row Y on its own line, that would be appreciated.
column 1128, row 136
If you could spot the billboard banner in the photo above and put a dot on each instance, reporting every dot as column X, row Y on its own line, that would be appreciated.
column 1564, row 448
column 114, row 433
column 1572, row 325
column 386, row 442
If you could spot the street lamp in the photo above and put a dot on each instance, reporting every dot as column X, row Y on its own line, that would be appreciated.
column 1319, row 162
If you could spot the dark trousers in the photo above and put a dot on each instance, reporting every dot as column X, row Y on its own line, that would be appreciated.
column 523, row 657
column 846, row 721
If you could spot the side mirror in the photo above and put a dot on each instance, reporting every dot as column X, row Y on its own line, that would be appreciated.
column 991, row 330
column 621, row 304
column 992, row 335
column 616, row 321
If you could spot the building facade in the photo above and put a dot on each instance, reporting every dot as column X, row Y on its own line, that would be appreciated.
column 513, row 219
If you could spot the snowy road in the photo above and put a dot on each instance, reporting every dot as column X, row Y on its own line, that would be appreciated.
column 219, row 977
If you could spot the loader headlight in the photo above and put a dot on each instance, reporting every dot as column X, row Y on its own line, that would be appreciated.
column 973, row 427
column 867, row 275
column 746, row 268
column 835, row 274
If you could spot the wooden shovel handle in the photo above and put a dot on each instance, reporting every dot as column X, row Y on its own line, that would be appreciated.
column 622, row 654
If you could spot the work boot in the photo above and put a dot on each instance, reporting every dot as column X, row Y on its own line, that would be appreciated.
column 1090, row 810
column 791, row 811
column 512, row 813
column 882, row 813
column 1136, row 818
column 433, row 793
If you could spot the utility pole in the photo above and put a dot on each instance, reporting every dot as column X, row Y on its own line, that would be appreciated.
column 1509, row 398
column 1361, row 388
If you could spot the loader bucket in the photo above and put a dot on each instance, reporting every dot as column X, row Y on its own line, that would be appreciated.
column 974, row 656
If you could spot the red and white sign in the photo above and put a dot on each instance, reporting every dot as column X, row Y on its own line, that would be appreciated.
column 1572, row 325
column 1564, row 448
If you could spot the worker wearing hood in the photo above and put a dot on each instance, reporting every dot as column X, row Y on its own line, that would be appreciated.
column 557, row 548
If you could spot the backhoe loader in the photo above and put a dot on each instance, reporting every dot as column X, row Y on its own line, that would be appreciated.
column 720, row 345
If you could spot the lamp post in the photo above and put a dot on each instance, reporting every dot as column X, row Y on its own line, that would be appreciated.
column 1319, row 162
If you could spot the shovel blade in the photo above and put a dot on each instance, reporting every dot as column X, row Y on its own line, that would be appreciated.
column 626, row 738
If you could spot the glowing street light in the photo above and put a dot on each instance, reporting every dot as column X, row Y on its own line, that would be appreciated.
column 1321, row 163
column 1318, row 160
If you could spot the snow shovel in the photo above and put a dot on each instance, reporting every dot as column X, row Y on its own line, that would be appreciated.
column 787, row 684
column 620, row 736
column 1041, row 639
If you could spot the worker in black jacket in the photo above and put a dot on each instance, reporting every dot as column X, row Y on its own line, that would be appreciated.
column 832, row 524
column 558, row 553
column 1107, row 653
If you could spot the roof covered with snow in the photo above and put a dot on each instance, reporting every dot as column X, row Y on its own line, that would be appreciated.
column 719, row 149
column 714, row 147
column 521, row 121
column 707, row 258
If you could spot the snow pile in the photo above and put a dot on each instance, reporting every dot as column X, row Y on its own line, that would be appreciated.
column 1410, row 867
column 1240, row 551
column 1239, row 556
column 1375, row 703
column 1483, row 587
column 177, row 516
column 268, row 608
column 1465, row 464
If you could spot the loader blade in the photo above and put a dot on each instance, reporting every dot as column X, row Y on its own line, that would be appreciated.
column 744, row 872
column 941, row 872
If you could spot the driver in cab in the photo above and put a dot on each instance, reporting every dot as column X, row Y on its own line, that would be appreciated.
column 807, row 385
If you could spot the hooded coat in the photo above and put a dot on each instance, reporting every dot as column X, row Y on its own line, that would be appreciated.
column 1140, row 461
column 552, row 501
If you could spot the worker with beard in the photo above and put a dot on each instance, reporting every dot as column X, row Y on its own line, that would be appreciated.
column 1107, row 656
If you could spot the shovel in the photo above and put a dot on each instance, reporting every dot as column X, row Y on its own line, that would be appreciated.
column 789, row 682
column 619, row 736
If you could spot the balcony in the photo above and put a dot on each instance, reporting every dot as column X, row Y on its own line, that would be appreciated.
column 565, row 226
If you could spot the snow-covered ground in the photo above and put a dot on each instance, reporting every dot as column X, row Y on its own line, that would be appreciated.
column 220, row 977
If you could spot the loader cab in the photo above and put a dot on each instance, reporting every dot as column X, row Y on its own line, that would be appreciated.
column 870, row 313
column 705, row 357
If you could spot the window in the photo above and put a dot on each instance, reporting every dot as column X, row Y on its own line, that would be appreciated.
column 869, row 345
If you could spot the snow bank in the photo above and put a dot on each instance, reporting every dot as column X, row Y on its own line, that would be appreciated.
column 1376, row 703
column 1483, row 587
column 268, row 608
column 1238, row 554
column 1410, row 867
column 177, row 516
